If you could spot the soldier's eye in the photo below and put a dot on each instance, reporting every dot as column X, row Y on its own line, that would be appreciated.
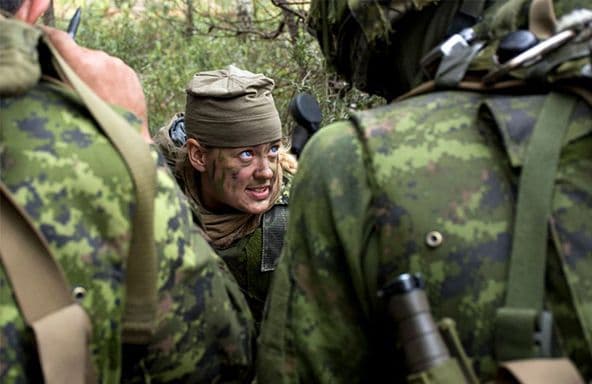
column 273, row 151
column 246, row 155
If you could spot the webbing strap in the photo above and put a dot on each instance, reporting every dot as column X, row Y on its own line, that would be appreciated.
column 62, row 342
column 62, row 328
column 539, row 371
column 468, row 14
column 472, row 8
column 20, row 261
column 541, row 18
column 529, row 247
column 140, row 303
column 517, row 321
column 453, row 67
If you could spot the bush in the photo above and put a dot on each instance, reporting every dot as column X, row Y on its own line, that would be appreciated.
column 158, row 43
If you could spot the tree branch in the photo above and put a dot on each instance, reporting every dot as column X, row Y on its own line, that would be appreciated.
column 284, row 5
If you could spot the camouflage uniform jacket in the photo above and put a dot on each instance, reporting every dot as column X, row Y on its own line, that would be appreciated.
column 76, row 188
column 446, row 162
column 253, row 258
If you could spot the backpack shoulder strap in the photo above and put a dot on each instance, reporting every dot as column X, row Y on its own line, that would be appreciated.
column 274, row 224
column 523, row 327
column 274, row 227
column 61, row 327
column 140, row 302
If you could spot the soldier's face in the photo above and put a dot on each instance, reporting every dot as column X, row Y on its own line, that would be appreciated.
column 240, row 178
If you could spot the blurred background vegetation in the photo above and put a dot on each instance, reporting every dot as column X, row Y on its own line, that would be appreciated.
column 167, row 42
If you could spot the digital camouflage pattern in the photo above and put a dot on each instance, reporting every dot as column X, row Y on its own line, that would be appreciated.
column 244, row 258
column 446, row 162
column 370, row 191
column 77, row 190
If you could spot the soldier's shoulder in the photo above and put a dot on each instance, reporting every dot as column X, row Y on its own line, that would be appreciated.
column 20, row 68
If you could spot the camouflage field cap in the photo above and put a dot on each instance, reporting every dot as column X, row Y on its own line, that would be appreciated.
column 231, row 107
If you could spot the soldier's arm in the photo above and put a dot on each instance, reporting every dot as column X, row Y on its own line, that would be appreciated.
column 313, row 329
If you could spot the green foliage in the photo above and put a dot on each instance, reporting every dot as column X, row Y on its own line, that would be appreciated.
column 158, row 43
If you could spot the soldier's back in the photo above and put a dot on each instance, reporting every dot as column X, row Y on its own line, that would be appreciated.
column 427, row 185
column 447, row 167
column 79, row 194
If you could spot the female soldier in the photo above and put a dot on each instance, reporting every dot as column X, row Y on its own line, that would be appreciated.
column 233, row 168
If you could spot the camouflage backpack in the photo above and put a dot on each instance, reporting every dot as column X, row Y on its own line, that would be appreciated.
column 555, row 70
column 60, row 325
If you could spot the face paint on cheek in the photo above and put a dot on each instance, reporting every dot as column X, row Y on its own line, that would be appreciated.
column 234, row 173
column 226, row 176
column 212, row 169
column 219, row 178
column 216, row 176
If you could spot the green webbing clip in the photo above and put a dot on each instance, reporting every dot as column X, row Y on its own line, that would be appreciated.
column 523, row 333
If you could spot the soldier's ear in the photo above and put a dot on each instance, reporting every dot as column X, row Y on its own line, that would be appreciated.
column 197, row 155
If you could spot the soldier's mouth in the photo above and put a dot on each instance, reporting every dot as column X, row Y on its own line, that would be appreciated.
column 259, row 192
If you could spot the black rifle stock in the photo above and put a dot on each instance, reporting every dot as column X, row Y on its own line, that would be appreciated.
column 305, row 110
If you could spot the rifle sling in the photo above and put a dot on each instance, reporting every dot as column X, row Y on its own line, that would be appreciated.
column 140, row 302
column 61, row 327
column 539, row 371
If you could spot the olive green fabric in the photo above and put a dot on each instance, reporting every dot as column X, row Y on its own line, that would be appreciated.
column 517, row 320
column 18, row 57
column 231, row 107
column 72, row 182
column 448, row 372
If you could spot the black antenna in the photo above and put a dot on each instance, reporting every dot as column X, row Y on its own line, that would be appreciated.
column 74, row 23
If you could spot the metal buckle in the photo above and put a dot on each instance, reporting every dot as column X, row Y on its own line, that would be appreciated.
column 542, row 337
column 433, row 57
